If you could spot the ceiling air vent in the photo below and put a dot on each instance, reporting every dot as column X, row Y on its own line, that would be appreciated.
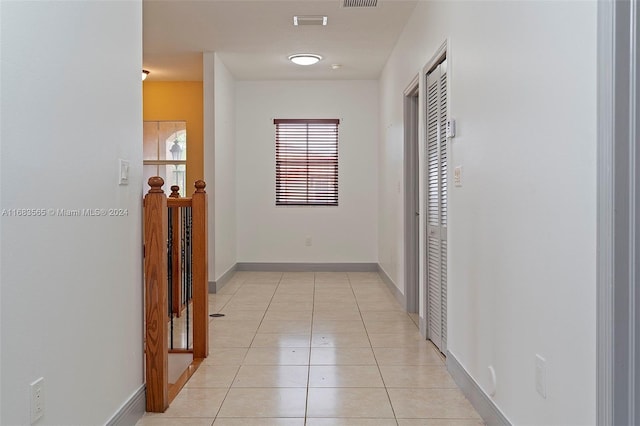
column 309, row 20
column 359, row 3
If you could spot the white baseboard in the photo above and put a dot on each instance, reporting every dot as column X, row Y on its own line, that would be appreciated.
column 483, row 404
column 306, row 267
column 215, row 286
column 393, row 288
column 132, row 410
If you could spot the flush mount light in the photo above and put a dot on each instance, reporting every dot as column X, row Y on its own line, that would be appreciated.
column 145, row 73
column 305, row 58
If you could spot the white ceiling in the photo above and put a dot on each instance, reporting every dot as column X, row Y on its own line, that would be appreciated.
column 254, row 38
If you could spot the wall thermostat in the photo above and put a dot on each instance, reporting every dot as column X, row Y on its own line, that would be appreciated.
column 451, row 128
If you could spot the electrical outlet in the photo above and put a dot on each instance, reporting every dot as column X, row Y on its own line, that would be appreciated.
column 308, row 242
column 541, row 376
column 37, row 399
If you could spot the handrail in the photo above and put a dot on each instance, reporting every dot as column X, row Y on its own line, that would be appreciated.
column 156, row 267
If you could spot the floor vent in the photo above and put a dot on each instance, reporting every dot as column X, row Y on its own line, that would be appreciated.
column 359, row 3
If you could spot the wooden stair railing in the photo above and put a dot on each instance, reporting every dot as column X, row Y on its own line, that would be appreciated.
column 156, row 236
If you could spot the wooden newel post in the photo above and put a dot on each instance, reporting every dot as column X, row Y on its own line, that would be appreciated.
column 200, row 272
column 175, row 191
column 156, row 307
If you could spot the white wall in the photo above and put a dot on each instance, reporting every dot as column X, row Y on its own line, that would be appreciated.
column 347, row 233
column 522, row 238
column 220, row 163
column 1, row 238
column 225, row 168
column 71, row 106
column 209, row 137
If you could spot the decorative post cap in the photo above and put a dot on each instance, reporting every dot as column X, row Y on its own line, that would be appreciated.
column 156, row 182
column 200, row 185
column 175, row 191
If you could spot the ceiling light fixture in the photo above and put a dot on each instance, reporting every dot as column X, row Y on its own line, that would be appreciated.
column 336, row 66
column 305, row 58
column 145, row 73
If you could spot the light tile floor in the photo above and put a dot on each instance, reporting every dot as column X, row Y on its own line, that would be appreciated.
column 318, row 349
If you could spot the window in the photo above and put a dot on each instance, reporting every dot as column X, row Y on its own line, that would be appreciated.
column 306, row 162
column 165, row 152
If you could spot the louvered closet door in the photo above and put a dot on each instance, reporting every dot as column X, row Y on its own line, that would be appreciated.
column 437, row 205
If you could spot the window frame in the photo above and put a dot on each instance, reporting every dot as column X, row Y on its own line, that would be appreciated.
column 179, row 134
column 323, row 165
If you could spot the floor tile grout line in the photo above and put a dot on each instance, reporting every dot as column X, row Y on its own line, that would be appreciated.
column 313, row 307
column 245, row 355
column 237, row 371
column 265, row 313
column 226, row 394
column 223, row 306
column 374, row 354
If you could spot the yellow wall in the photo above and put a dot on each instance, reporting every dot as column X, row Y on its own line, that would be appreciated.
column 179, row 101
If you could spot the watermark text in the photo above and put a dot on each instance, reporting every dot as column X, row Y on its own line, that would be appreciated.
column 58, row 212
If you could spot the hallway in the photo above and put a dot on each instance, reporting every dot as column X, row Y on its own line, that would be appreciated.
column 324, row 348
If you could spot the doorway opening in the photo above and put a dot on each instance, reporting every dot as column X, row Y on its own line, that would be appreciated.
column 411, row 198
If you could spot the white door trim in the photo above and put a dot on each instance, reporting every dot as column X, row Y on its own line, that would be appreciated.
column 411, row 188
column 618, row 256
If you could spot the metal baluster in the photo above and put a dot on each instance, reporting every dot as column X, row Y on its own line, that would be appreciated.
column 185, row 265
column 170, row 276
column 188, row 272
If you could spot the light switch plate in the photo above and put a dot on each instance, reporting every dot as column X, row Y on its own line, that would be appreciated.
column 457, row 176
column 123, row 172
column 541, row 376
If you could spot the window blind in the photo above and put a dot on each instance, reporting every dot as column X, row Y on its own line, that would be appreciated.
column 306, row 162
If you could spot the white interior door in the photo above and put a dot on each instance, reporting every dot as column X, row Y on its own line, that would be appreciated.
column 436, row 107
